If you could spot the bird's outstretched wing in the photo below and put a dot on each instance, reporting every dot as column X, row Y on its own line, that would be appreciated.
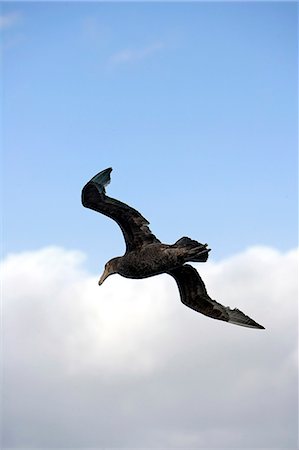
column 133, row 225
column 194, row 295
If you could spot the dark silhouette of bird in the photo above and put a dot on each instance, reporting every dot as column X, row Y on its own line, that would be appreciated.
column 146, row 256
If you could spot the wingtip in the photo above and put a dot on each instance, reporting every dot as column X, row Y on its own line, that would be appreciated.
column 258, row 326
column 237, row 317
column 252, row 325
column 102, row 179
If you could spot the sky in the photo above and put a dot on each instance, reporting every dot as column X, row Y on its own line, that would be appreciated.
column 194, row 106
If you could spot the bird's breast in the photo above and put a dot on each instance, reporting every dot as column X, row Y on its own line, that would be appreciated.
column 147, row 262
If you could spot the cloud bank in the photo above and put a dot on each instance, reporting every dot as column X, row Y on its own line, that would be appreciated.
column 128, row 365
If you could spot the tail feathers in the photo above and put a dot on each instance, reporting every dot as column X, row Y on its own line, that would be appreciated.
column 197, row 252
column 187, row 242
column 201, row 254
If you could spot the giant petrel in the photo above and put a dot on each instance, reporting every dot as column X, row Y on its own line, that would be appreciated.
column 146, row 256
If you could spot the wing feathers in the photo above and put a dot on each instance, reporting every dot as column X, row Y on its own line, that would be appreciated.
column 194, row 295
column 133, row 225
column 102, row 179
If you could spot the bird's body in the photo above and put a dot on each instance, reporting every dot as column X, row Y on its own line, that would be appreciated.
column 146, row 256
column 154, row 259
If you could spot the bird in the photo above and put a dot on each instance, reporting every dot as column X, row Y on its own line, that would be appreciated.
column 147, row 256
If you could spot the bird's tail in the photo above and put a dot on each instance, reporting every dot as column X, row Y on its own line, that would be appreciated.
column 195, row 251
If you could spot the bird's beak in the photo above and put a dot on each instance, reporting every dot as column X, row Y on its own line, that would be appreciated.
column 104, row 276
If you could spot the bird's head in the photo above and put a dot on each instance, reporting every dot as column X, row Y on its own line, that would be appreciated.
column 110, row 268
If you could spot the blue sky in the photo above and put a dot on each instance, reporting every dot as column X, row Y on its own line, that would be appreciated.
column 193, row 105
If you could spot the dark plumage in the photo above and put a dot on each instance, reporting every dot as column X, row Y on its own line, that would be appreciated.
column 146, row 256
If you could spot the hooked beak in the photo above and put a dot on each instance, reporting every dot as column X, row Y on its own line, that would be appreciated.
column 104, row 276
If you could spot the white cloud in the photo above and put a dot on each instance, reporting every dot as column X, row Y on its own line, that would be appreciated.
column 130, row 55
column 82, row 361
column 9, row 20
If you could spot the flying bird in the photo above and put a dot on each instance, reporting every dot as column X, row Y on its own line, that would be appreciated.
column 146, row 256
